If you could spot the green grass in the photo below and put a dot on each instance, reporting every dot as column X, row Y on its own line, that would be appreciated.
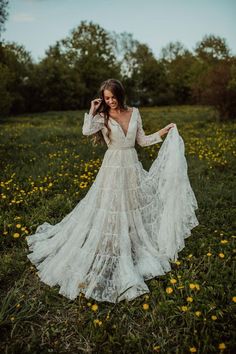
column 47, row 167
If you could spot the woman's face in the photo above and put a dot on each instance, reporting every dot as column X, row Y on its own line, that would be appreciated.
column 110, row 99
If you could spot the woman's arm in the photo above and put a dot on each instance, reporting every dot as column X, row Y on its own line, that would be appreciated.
column 146, row 140
column 92, row 124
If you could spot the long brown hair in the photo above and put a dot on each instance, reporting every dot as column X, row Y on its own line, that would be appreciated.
column 117, row 89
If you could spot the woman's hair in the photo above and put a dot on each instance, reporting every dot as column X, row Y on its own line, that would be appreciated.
column 117, row 89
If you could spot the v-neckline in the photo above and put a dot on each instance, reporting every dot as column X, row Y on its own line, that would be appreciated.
column 121, row 126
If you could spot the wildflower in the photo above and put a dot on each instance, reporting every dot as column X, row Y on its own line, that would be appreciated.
column 18, row 226
column 209, row 254
column 16, row 235
column 145, row 306
column 97, row 322
column 192, row 286
column 222, row 346
column 156, row 348
column 234, row 298
column 89, row 303
column 12, row 319
column 178, row 262
column 189, row 299
column 173, row 281
column 198, row 313
column 190, row 255
column 184, row 308
column 193, row 349
column 169, row 290
column 224, row 241
column 94, row 307
column 221, row 255
column 213, row 317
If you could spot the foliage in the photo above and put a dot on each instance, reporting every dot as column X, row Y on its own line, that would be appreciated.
column 70, row 73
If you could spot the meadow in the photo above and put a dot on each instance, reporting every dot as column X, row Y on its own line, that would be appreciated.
column 47, row 167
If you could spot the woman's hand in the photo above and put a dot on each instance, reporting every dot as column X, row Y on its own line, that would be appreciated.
column 94, row 105
column 165, row 130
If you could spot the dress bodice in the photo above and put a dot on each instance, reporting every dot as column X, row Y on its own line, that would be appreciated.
column 118, row 139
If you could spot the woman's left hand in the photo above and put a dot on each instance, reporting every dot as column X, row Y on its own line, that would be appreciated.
column 167, row 128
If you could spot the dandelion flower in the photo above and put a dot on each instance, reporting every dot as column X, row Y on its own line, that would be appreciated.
column 198, row 313
column 16, row 235
column 145, row 306
column 209, row 254
column 94, row 307
column 193, row 349
column 221, row 255
column 234, row 298
column 173, row 281
column 169, row 290
column 213, row 317
column 189, row 299
column 222, row 346
column 184, row 308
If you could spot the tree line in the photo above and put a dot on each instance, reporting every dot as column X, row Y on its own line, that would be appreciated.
column 71, row 71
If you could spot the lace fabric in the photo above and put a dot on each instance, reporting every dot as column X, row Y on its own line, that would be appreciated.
column 127, row 228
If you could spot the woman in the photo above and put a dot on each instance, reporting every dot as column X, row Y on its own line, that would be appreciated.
column 131, row 223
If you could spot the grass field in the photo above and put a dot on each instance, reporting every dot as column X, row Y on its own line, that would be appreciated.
column 47, row 167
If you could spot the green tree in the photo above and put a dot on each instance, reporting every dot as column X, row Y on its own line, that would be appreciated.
column 3, row 15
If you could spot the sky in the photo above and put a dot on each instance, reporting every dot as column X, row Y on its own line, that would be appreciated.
column 37, row 24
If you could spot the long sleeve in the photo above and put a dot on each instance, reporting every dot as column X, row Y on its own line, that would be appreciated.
column 143, row 139
column 92, row 124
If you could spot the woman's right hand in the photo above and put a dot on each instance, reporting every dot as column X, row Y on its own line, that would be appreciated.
column 94, row 105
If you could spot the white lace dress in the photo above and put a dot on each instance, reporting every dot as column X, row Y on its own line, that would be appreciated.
column 129, row 225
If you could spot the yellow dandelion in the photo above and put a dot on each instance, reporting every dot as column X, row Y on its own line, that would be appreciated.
column 18, row 226
column 173, row 281
column 189, row 299
column 178, row 262
column 16, row 235
column 234, row 298
column 193, row 349
column 198, row 313
column 214, row 318
column 221, row 255
column 145, row 306
column 209, row 254
column 89, row 303
column 12, row 319
column 94, row 307
column 192, row 286
column 197, row 286
column 169, row 290
column 222, row 346
column 223, row 241
column 184, row 308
